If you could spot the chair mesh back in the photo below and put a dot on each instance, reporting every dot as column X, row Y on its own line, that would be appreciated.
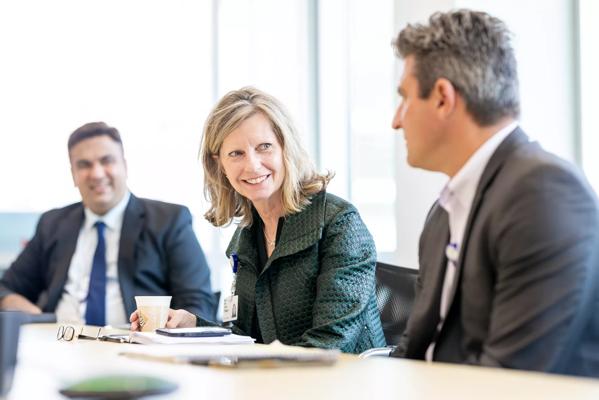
column 395, row 289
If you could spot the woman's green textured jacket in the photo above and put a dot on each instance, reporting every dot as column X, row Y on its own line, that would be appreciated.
column 318, row 287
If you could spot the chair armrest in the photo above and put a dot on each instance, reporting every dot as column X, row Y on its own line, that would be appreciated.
column 44, row 318
column 377, row 352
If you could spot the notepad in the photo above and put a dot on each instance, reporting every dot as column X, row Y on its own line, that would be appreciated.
column 153, row 338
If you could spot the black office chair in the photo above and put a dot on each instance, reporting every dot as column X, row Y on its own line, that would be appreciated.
column 395, row 290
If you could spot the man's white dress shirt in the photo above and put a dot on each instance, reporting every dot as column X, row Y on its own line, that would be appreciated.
column 72, row 304
column 456, row 198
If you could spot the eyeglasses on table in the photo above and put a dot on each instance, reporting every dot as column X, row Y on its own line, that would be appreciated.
column 67, row 333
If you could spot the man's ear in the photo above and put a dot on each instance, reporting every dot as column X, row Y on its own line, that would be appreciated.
column 445, row 96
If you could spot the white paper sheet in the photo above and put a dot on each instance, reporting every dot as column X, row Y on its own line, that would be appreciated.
column 153, row 338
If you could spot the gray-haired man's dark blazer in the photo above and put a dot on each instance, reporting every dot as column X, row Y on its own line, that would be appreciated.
column 526, row 293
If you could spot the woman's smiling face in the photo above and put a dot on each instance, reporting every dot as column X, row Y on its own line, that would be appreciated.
column 252, row 158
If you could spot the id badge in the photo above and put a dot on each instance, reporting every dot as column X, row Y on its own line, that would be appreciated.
column 230, row 307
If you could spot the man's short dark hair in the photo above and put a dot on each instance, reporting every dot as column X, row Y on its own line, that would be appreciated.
column 472, row 50
column 91, row 130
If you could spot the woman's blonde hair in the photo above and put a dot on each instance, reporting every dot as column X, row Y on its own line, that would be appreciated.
column 301, row 179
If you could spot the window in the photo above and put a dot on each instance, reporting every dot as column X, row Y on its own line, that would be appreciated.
column 283, row 48
column 141, row 66
column 357, row 96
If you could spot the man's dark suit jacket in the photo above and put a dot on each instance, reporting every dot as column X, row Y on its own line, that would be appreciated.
column 158, row 255
column 526, row 294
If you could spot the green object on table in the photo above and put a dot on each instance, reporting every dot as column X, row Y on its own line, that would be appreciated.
column 119, row 387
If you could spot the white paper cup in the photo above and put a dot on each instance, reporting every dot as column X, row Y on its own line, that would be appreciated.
column 152, row 311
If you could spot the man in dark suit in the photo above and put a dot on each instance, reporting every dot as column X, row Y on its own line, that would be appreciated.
column 509, row 254
column 87, row 261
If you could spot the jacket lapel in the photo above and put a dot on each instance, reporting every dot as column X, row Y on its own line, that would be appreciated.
column 425, row 312
column 65, row 241
column 243, row 244
column 510, row 143
column 437, row 260
column 301, row 230
column 133, row 221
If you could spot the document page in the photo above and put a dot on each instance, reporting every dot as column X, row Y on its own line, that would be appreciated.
column 153, row 338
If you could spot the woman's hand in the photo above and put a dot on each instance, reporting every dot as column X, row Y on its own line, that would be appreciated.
column 176, row 319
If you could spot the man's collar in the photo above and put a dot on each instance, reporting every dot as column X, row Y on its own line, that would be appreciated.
column 113, row 218
column 463, row 184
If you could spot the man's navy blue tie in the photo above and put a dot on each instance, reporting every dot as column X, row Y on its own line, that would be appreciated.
column 95, row 313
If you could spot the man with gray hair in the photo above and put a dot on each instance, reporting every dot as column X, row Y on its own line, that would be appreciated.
column 509, row 254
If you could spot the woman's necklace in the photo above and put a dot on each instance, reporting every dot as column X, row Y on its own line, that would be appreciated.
column 269, row 243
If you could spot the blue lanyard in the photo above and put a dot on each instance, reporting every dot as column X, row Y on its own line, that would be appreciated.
column 234, row 260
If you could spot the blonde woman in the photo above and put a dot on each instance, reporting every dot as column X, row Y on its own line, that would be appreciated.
column 306, row 261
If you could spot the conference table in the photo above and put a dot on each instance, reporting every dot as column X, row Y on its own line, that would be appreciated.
column 46, row 364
